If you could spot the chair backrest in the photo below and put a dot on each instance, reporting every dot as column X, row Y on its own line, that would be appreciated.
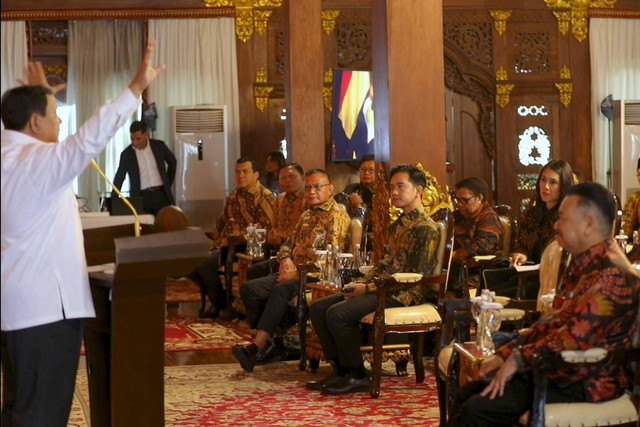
column 509, row 227
column 552, row 264
column 170, row 218
column 444, row 220
column 355, row 235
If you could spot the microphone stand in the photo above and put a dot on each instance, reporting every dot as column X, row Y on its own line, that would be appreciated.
column 136, row 222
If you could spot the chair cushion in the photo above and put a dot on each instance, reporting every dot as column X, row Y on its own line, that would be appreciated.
column 444, row 357
column 423, row 313
column 617, row 411
column 511, row 314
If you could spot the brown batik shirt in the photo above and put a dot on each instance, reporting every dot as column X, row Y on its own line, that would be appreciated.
column 479, row 235
column 536, row 231
column 253, row 204
column 412, row 248
column 286, row 212
column 317, row 227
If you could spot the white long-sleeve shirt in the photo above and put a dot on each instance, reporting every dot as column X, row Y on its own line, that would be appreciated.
column 44, row 270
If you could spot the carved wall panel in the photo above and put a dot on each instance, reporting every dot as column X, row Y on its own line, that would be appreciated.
column 531, row 52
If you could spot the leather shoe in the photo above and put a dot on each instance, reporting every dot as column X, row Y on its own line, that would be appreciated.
column 328, row 380
column 226, row 314
column 209, row 313
column 246, row 355
column 348, row 384
column 270, row 353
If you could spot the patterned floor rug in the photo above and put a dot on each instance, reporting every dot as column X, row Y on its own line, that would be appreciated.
column 192, row 334
column 274, row 395
column 182, row 290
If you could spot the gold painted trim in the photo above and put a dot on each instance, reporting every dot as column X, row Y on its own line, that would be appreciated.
column 327, row 90
column 261, row 18
column 261, row 75
column 50, row 15
column 565, row 72
column 564, row 18
column 58, row 70
column 329, row 17
column 261, row 95
column 500, row 19
column 566, row 90
column 580, row 10
column 246, row 16
column 503, row 91
column 501, row 74
column 610, row 13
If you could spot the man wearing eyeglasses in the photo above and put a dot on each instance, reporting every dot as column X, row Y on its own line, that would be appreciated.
column 266, row 299
column 362, row 193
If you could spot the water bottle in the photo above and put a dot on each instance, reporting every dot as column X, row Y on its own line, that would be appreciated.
column 357, row 258
column 251, row 238
column 328, row 263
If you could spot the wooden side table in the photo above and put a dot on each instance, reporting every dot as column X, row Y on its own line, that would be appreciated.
column 244, row 262
column 470, row 357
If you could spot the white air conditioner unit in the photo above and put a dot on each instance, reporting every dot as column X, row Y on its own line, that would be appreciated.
column 626, row 147
column 201, row 146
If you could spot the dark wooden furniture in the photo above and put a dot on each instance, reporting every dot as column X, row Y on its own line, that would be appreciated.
column 125, row 341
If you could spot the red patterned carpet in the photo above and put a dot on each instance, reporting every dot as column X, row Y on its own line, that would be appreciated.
column 213, row 395
column 193, row 334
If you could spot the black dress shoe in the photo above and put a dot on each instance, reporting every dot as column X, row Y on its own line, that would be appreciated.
column 226, row 314
column 328, row 380
column 209, row 313
column 270, row 353
column 348, row 384
column 246, row 355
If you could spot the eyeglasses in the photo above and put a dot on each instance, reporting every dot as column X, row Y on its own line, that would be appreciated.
column 465, row 200
column 316, row 187
column 368, row 170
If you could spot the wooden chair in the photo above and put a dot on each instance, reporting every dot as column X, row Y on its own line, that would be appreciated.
column 623, row 410
column 413, row 320
column 509, row 227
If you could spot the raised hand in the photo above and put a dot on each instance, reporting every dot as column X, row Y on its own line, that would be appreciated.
column 146, row 71
column 36, row 76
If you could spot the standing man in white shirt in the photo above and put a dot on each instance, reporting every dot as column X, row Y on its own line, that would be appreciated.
column 144, row 161
column 45, row 286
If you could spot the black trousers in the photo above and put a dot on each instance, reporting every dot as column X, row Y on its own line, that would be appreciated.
column 471, row 409
column 154, row 200
column 262, row 268
column 336, row 321
column 207, row 276
column 267, row 301
column 39, row 367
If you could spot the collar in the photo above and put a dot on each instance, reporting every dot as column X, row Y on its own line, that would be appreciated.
column 252, row 189
column 417, row 212
column 592, row 255
column 295, row 196
column 485, row 208
column 326, row 206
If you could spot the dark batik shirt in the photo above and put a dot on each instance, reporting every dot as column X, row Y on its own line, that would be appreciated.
column 631, row 215
column 365, row 192
column 287, row 211
column 317, row 227
column 479, row 235
column 244, row 206
column 536, row 231
column 412, row 248
column 599, row 310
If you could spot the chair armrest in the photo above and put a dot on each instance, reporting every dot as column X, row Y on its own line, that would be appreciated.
column 303, row 271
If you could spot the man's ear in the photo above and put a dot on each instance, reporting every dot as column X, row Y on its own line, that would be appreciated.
column 33, row 124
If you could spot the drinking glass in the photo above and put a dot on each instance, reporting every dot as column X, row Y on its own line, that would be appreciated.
column 320, row 261
column 261, row 238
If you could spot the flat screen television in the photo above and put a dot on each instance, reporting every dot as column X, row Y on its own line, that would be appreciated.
column 352, row 115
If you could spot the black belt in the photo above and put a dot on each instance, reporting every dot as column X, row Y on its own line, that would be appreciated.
column 159, row 187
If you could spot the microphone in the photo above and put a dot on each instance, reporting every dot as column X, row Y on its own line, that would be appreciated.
column 136, row 222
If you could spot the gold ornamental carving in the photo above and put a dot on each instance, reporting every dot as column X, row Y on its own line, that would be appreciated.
column 56, row 70
column 501, row 74
column 329, row 17
column 565, row 73
column 564, row 18
column 503, row 91
column 248, row 16
column 566, row 90
column 579, row 14
column 261, row 90
column 500, row 19
column 327, row 89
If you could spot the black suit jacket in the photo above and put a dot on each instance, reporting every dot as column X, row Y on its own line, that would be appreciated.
column 129, row 165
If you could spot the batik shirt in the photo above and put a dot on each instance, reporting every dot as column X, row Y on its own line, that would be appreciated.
column 244, row 206
column 536, row 231
column 631, row 215
column 412, row 248
column 286, row 212
column 317, row 227
column 479, row 235
column 599, row 310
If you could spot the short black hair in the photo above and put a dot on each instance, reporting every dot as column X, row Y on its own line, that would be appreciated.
column 19, row 103
column 595, row 195
column 476, row 185
column 416, row 176
column 366, row 158
column 278, row 157
column 138, row 126
column 245, row 159
column 296, row 166
column 320, row 171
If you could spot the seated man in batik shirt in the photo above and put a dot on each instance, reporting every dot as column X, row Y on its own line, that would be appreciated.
column 267, row 298
column 413, row 242
column 596, row 301
column 249, row 203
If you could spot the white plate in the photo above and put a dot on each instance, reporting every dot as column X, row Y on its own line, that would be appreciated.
column 407, row 277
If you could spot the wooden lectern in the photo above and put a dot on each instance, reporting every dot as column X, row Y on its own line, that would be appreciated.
column 125, row 341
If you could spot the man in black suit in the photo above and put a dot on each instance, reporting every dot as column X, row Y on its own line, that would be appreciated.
column 144, row 161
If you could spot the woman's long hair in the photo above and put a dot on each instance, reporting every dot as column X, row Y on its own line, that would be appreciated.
column 563, row 169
